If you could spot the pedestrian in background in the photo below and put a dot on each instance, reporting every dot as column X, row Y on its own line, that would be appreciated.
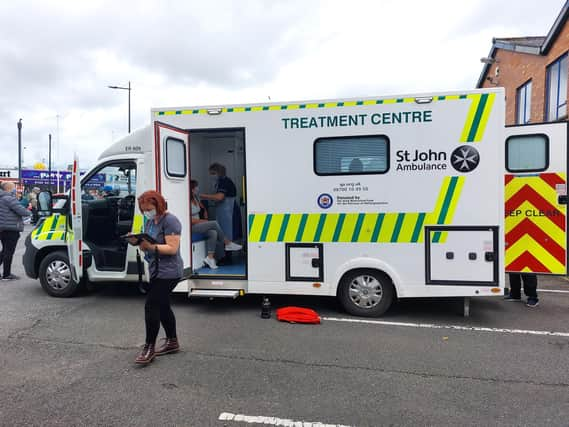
column 34, row 203
column 11, row 224
column 530, row 288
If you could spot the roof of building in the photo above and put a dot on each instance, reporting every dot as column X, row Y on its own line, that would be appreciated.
column 539, row 45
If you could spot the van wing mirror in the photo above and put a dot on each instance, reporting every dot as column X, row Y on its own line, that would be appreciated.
column 45, row 203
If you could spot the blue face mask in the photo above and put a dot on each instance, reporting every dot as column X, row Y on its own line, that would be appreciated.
column 13, row 192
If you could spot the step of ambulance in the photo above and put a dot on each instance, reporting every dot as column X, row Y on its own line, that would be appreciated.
column 215, row 293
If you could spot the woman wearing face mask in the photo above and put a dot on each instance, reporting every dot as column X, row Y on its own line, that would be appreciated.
column 166, row 269
column 226, row 210
column 217, row 243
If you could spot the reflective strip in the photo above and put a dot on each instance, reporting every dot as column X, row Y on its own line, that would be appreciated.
column 51, row 228
column 333, row 104
column 535, row 224
column 477, row 117
column 137, row 223
column 401, row 227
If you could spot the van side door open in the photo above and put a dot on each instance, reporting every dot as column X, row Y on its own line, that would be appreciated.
column 172, row 179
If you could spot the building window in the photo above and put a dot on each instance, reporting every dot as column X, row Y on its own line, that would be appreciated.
column 527, row 153
column 557, row 89
column 351, row 155
column 524, row 103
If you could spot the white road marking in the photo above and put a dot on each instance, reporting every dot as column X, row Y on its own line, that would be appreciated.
column 453, row 327
column 273, row 421
column 553, row 291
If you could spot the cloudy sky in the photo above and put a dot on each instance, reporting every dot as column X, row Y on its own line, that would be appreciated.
column 57, row 58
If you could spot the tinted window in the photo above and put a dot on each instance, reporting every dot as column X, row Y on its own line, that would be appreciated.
column 351, row 155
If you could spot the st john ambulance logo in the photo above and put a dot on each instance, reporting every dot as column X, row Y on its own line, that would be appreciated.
column 465, row 158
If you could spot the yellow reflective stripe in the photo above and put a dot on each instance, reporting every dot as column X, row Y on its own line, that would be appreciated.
column 387, row 227
column 475, row 100
column 485, row 116
column 408, row 227
column 292, row 228
column 366, row 233
column 348, row 227
column 257, row 227
column 137, row 223
column 454, row 200
column 275, row 228
column 329, row 227
column 310, row 228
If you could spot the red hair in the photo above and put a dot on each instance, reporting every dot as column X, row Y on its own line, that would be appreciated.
column 154, row 198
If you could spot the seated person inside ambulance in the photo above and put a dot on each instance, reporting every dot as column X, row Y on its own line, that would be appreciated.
column 227, row 211
column 217, row 243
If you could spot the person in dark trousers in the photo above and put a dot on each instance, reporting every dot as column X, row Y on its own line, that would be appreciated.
column 530, row 288
column 166, row 269
column 11, row 224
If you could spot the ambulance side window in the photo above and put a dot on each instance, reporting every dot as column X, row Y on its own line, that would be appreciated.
column 527, row 153
column 175, row 157
column 351, row 155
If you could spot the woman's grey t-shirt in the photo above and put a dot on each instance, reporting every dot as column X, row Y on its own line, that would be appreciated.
column 167, row 266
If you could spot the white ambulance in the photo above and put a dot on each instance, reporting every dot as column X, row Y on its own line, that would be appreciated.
column 366, row 199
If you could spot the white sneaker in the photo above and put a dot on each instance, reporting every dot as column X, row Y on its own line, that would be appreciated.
column 210, row 262
column 232, row 246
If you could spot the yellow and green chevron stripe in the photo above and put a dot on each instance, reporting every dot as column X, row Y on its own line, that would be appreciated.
column 52, row 228
column 477, row 117
column 391, row 227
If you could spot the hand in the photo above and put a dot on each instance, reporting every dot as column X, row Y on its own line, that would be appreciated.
column 145, row 245
column 132, row 240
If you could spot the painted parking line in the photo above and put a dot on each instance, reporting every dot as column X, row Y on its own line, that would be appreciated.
column 553, row 291
column 452, row 327
column 272, row 421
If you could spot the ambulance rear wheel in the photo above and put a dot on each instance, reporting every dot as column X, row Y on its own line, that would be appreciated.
column 55, row 275
column 366, row 293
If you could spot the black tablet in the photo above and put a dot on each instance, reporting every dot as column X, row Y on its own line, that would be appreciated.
column 140, row 237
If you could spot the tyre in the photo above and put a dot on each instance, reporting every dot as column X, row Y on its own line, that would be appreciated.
column 55, row 275
column 367, row 293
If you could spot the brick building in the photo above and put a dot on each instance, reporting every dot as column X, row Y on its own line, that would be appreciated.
column 534, row 71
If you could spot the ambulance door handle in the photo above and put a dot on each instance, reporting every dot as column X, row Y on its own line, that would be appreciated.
column 562, row 200
column 489, row 256
column 316, row 262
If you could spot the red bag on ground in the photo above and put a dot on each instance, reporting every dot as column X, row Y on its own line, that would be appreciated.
column 297, row 315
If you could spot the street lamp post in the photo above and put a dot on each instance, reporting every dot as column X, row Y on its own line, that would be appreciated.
column 129, row 89
column 49, row 163
column 20, row 153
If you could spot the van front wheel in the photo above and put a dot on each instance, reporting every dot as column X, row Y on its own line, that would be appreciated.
column 55, row 275
column 366, row 293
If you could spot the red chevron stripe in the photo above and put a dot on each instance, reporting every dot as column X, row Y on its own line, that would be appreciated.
column 552, row 179
column 528, row 227
column 527, row 260
column 508, row 178
column 526, row 193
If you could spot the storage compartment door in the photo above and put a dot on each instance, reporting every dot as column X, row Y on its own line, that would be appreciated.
column 461, row 255
column 304, row 262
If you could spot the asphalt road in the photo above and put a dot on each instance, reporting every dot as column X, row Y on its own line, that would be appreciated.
column 70, row 362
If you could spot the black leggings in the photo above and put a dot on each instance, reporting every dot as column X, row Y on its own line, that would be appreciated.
column 157, row 309
column 9, row 241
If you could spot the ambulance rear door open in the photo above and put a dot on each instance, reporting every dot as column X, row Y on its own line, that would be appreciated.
column 536, row 198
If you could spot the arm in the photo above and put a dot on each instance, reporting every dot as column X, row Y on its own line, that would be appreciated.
column 205, row 215
column 217, row 197
column 18, row 208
